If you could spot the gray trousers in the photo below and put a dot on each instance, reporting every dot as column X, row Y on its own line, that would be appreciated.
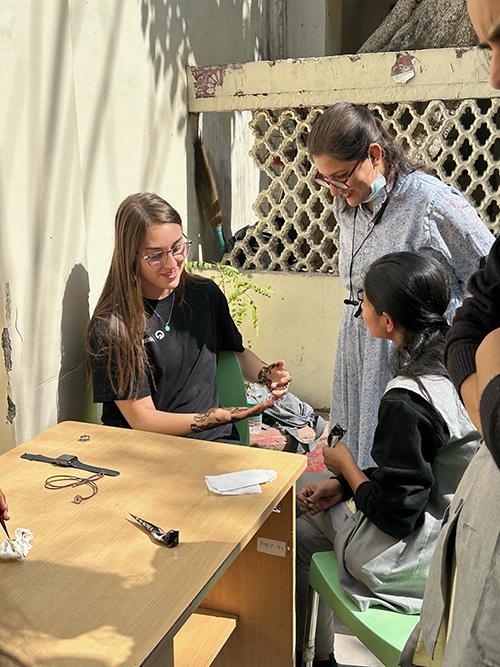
column 316, row 533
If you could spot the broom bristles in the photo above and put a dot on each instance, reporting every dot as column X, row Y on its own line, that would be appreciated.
column 206, row 187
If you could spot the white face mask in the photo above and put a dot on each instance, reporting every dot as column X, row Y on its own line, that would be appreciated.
column 378, row 184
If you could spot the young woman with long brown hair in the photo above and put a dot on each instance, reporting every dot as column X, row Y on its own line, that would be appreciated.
column 157, row 330
column 383, row 202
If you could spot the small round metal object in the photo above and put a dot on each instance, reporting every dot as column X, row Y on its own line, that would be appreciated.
column 77, row 499
column 84, row 438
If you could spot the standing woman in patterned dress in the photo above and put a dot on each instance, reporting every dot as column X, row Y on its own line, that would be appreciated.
column 382, row 203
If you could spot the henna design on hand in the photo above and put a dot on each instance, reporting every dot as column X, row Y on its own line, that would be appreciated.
column 206, row 420
column 264, row 376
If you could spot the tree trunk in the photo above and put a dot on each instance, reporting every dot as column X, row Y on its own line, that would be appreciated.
column 422, row 24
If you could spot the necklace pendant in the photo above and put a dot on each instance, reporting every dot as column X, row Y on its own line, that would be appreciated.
column 167, row 327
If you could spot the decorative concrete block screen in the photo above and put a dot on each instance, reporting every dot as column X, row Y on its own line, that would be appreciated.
column 447, row 117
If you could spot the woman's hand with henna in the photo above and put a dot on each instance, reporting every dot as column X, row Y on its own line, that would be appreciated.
column 217, row 416
column 275, row 378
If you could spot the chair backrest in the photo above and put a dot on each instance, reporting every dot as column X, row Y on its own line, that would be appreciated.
column 231, row 388
column 381, row 630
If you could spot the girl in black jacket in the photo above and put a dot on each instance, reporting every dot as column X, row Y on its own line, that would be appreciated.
column 383, row 521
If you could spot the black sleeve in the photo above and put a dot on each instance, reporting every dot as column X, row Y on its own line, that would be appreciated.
column 102, row 382
column 475, row 319
column 489, row 410
column 228, row 336
column 347, row 493
column 408, row 434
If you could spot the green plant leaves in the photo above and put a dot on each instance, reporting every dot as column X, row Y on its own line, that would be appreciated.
column 238, row 290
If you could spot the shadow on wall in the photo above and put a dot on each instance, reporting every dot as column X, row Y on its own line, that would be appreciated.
column 73, row 392
column 182, row 32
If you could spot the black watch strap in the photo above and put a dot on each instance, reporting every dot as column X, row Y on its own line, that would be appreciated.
column 69, row 461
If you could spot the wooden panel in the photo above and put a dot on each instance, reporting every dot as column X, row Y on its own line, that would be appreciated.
column 259, row 587
column 201, row 638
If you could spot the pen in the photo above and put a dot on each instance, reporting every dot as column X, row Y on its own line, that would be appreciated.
column 2, row 521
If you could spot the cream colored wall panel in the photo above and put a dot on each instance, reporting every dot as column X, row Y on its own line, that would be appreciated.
column 42, row 233
column 300, row 323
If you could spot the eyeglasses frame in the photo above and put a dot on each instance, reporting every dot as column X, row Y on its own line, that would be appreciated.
column 339, row 183
column 165, row 253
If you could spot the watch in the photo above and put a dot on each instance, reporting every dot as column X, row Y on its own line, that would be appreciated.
column 69, row 461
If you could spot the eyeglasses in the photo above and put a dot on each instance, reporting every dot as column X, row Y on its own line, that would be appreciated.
column 179, row 252
column 340, row 183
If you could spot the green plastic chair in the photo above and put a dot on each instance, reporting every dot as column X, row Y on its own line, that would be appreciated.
column 231, row 388
column 382, row 631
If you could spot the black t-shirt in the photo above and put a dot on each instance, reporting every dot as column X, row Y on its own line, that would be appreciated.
column 183, row 360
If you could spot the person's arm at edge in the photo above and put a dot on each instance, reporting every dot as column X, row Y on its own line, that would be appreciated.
column 474, row 320
column 4, row 508
column 470, row 397
column 488, row 391
column 273, row 376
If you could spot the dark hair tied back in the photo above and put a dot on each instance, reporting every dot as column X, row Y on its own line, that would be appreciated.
column 413, row 289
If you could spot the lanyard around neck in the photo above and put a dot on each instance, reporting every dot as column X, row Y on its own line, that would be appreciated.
column 351, row 301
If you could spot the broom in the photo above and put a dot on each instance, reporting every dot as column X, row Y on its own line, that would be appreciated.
column 206, row 192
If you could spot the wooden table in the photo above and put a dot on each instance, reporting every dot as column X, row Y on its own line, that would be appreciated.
column 97, row 590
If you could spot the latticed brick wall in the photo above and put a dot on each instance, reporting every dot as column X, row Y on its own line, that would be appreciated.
column 458, row 139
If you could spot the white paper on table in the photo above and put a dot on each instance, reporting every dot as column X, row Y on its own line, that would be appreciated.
column 240, row 482
column 17, row 548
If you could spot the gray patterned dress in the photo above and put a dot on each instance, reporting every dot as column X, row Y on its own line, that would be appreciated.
column 422, row 214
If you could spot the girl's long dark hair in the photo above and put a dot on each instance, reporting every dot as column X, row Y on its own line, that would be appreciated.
column 413, row 289
column 345, row 131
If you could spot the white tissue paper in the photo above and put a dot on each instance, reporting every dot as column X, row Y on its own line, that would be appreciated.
column 239, row 483
column 17, row 548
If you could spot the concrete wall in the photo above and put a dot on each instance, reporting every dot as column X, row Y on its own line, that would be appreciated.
column 313, row 28
column 300, row 323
